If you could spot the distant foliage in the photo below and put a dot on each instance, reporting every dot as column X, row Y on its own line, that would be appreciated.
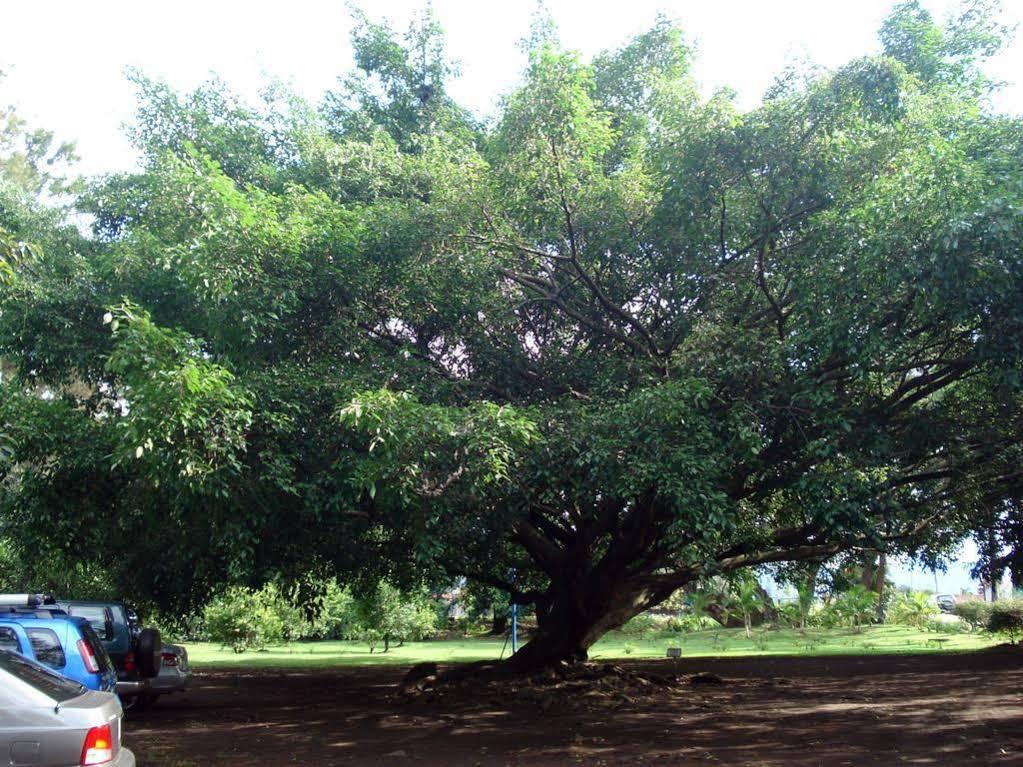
column 641, row 624
column 244, row 618
column 684, row 624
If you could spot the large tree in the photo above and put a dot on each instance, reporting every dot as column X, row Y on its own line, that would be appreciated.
column 624, row 338
column 715, row 339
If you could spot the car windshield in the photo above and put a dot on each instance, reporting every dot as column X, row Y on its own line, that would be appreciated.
column 49, row 684
column 100, row 618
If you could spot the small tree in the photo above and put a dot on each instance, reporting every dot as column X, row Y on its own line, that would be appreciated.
column 391, row 615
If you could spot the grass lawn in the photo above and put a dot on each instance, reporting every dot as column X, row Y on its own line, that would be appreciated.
column 711, row 642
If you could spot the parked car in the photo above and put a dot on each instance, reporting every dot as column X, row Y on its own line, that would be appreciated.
column 136, row 652
column 66, row 644
column 946, row 602
column 47, row 720
column 175, row 676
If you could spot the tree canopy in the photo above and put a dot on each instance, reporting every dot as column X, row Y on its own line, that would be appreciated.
column 620, row 338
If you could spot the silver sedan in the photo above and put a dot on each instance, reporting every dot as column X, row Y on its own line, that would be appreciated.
column 47, row 720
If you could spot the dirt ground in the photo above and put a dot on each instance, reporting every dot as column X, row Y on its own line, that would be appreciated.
column 947, row 709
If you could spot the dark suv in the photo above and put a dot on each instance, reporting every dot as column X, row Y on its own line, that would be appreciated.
column 135, row 651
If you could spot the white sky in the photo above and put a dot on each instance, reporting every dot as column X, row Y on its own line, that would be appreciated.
column 65, row 59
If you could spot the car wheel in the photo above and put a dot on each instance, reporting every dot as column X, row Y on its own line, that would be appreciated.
column 142, row 702
column 149, row 655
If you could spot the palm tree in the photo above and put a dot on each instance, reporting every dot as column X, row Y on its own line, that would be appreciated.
column 746, row 600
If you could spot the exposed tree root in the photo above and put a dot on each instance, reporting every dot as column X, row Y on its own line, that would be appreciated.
column 563, row 685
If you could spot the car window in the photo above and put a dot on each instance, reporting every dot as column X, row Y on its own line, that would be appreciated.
column 49, row 684
column 9, row 640
column 46, row 647
column 100, row 618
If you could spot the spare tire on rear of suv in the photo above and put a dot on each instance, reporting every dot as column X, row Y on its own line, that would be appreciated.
column 150, row 652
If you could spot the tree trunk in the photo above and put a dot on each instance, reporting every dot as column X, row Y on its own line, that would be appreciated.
column 882, row 567
column 585, row 610
column 498, row 623
column 992, row 552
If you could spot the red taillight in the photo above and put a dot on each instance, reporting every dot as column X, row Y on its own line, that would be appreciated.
column 169, row 659
column 129, row 661
column 98, row 747
column 88, row 657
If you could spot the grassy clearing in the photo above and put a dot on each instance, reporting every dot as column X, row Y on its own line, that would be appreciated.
column 708, row 643
column 326, row 654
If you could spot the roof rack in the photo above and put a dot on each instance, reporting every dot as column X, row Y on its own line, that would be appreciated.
column 26, row 600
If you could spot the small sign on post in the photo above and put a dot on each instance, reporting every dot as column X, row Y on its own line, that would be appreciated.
column 675, row 653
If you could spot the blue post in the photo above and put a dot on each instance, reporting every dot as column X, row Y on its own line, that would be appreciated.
column 515, row 628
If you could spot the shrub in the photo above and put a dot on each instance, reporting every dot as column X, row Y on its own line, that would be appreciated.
column 975, row 612
column 244, row 618
column 946, row 627
column 1006, row 618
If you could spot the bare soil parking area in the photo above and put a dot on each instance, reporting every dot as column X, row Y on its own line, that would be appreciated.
column 938, row 709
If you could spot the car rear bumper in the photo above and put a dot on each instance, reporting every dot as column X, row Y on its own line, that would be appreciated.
column 165, row 683
column 125, row 758
column 128, row 689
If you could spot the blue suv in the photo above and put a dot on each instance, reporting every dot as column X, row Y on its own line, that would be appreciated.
column 66, row 644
